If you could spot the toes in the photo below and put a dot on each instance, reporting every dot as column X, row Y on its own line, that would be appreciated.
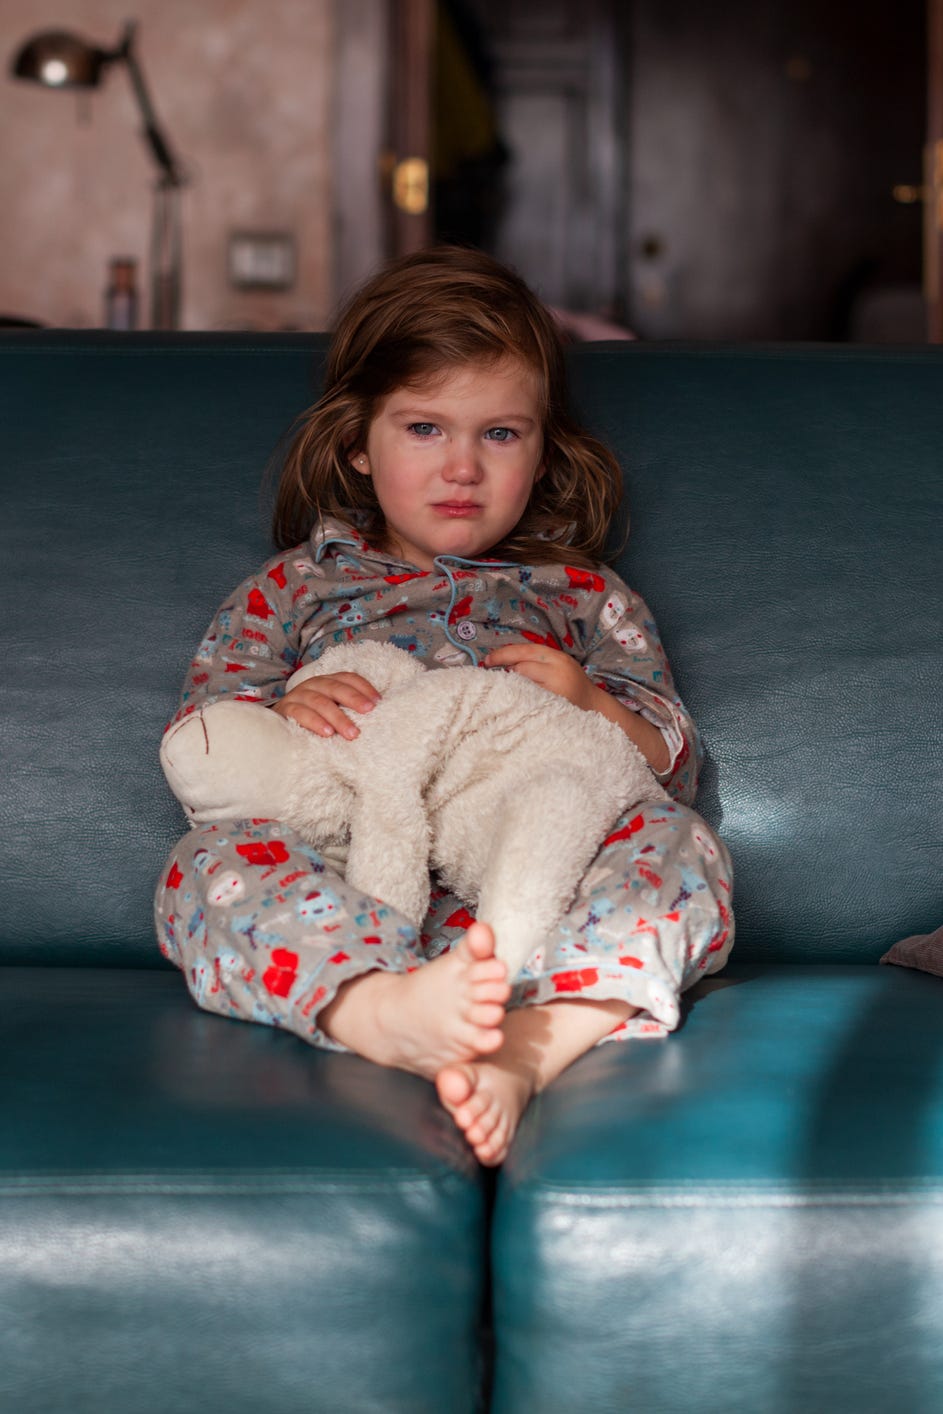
column 478, row 1135
column 482, row 1116
column 491, row 976
column 477, row 1041
column 485, row 1014
column 491, row 1153
column 473, row 1117
column 487, row 1042
column 494, row 1147
column 481, row 1129
column 479, row 1116
column 478, row 942
column 456, row 1084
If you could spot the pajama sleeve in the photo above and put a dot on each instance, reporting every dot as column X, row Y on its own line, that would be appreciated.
column 252, row 646
column 625, row 657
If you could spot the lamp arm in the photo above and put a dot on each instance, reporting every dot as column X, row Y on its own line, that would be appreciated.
column 156, row 141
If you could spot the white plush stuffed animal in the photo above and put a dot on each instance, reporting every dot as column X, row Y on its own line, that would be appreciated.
column 504, row 788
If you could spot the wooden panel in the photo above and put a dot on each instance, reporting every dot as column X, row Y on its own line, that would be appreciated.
column 412, row 36
column 933, row 175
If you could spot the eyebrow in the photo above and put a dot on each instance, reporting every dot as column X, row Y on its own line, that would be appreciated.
column 418, row 414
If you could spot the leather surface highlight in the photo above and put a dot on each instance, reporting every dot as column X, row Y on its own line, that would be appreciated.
column 745, row 1216
column 787, row 508
column 722, row 1308
column 195, row 1211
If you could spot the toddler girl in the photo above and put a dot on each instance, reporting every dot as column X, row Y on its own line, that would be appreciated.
column 439, row 497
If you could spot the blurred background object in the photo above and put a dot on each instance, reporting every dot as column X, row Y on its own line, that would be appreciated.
column 58, row 59
column 728, row 172
column 121, row 295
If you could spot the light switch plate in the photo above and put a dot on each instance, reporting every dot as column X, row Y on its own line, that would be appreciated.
column 262, row 260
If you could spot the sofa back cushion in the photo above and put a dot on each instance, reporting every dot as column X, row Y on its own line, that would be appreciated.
column 786, row 509
column 132, row 468
column 788, row 531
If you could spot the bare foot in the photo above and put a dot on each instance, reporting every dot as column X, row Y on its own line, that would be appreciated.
column 486, row 1097
column 447, row 1010
column 486, row 1100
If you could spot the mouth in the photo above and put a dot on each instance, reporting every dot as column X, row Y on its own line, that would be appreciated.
column 457, row 508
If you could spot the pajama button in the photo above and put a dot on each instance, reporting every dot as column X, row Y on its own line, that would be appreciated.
column 466, row 630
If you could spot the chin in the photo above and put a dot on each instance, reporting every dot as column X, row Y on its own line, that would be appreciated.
column 469, row 550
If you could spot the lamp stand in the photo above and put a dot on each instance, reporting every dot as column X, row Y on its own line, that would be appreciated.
column 166, row 256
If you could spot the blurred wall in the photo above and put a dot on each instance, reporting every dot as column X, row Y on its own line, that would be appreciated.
column 242, row 89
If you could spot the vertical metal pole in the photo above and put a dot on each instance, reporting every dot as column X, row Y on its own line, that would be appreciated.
column 166, row 257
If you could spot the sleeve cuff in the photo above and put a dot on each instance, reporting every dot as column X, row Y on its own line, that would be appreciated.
column 663, row 719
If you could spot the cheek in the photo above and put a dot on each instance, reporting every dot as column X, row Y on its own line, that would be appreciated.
column 399, row 487
column 525, row 483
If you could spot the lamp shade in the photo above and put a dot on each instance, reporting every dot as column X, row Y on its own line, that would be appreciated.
column 61, row 60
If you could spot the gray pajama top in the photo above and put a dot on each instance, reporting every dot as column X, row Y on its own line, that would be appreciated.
column 335, row 588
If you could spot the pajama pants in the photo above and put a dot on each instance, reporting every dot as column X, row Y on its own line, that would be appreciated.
column 264, row 929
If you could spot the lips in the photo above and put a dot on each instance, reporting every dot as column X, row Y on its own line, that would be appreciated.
column 457, row 508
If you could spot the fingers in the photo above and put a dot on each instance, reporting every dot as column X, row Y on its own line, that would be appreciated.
column 537, row 661
column 513, row 653
column 536, row 672
column 351, row 682
column 317, row 714
column 549, row 667
column 318, row 703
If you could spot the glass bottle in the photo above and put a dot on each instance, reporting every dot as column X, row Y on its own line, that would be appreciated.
column 121, row 296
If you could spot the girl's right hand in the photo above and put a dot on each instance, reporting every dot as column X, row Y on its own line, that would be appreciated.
column 316, row 703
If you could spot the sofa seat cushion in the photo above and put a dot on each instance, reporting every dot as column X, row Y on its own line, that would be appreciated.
column 199, row 1214
column 745, row 1216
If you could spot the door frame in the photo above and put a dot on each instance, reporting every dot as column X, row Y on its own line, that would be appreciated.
column 933, row 176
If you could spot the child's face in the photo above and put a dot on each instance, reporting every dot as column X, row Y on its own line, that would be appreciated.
column 454, row 461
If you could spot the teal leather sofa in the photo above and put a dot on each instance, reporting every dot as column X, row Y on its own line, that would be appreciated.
column 744, row 1218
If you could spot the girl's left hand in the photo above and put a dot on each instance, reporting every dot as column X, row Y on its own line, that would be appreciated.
column 559, row 673
column 551, row 668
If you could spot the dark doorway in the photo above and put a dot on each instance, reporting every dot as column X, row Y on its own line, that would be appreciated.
column 745, row 170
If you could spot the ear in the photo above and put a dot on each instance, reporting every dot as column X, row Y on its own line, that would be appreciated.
column 360, row 462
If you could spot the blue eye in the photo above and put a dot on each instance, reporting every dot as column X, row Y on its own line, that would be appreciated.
column 501, row 434
column 422, row 429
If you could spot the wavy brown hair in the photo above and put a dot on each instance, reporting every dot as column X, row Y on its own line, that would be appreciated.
column 423, row 315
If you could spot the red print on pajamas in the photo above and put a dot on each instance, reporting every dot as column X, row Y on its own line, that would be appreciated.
column 283, row 973
column 652, row 915
column 264, row 854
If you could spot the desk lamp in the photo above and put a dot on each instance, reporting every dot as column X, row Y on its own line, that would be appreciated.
column 62, row 60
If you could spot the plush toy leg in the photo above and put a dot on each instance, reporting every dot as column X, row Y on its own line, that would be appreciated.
column 389, row 850
column 229, row 761
column 548, row 832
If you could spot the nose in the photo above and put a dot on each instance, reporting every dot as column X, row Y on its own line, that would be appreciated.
column 462, row 464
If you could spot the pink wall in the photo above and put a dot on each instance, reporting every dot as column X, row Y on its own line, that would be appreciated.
column 242, row 89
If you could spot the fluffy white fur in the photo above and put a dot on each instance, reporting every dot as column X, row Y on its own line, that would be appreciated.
column 504, row 788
